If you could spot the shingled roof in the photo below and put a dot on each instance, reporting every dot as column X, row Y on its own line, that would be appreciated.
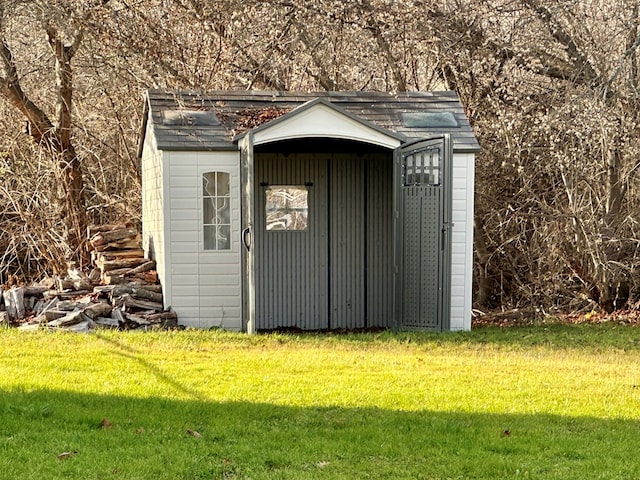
column 184, row 120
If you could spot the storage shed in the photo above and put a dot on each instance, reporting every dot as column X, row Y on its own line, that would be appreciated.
column 311, row 211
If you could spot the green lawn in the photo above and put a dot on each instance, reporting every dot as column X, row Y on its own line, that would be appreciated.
column 545, row 402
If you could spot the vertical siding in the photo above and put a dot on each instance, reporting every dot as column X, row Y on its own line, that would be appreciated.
column 462, row 241
column 339, row 273
column 206, row 284
column 347, row 240
column 291, row 266
column 380, row 240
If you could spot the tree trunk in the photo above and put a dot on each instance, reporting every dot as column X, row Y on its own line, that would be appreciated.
column 75, row 214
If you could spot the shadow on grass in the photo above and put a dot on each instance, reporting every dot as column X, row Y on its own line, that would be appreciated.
column 554, row 335
column 158, row 438
column 130, row 353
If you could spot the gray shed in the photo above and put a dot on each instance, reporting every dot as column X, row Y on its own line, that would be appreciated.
column 312, row 211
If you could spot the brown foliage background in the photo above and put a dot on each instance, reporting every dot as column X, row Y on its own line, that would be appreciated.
column 551, row 89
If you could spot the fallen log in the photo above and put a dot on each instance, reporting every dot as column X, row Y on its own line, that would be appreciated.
column 94, row 275
column 70, row 305
column 64, row 283
column 14, row 303
column 51, row 315
column 99, row 309
column 152, row 287
column 86, row 325
column 145, row 267
column 157, row 317
column 137, row 319
column 130, row 302
column 68, row 294
column 97, row 257
column 46, row 304
column 114, row 279
column 117, row 271
column 109, row 265
column 68, row 320
column 117, row 315
column 110, row 236
column 137, row 292
column 94, row 229
column 133, row 243
column 71, row 284
column 150, row 277
column 106, row 322
column 103, row 289
column 35, row 290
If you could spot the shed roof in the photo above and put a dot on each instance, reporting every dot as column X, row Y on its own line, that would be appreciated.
column 183, row 120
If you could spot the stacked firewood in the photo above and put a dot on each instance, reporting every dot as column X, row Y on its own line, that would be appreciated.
column 117, row 254
column 120, row 292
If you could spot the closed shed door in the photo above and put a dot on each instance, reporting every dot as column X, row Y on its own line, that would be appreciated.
column 323, row 240
column 291, row 241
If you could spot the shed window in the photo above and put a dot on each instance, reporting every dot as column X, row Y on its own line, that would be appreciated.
column 287, row 208
column 429, row 120
column 422, row 167
column 216, row 211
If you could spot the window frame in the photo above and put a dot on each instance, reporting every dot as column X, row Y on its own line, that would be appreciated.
column 286, row 209
column 215, row 198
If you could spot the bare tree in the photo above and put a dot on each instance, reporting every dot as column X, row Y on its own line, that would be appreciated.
column 50, row 131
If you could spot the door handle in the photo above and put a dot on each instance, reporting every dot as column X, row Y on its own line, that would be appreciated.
column 245, row 238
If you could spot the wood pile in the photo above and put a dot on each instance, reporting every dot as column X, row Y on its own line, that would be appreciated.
column 120, row 292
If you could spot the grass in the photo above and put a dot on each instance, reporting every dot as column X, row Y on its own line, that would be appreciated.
column 543, row 402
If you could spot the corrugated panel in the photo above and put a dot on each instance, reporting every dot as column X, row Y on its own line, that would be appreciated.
column 347, row 230
column 338, row 274
column 291, row 266
column 421, row 246
column 379, row 240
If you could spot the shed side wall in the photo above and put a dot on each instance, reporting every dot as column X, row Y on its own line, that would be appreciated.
column 154, row 210
column 206, row 284
column 462, row 240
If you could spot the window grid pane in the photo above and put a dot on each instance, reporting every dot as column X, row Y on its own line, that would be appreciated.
column 216, row 211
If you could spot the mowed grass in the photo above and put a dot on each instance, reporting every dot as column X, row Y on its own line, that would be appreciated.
column 545, row 402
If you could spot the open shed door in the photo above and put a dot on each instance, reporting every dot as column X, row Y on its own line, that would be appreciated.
column 422, row 217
